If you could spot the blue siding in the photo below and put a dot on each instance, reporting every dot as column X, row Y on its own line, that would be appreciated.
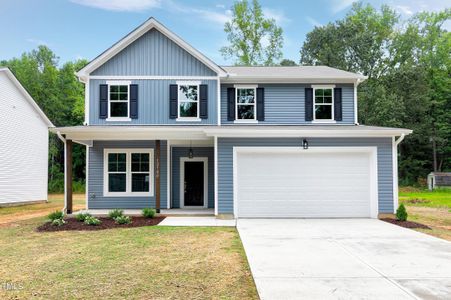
column 153, row 103
column 95, row 181
column 154, row 54
column 285, row 104
column 178, row 152
column 225, row 164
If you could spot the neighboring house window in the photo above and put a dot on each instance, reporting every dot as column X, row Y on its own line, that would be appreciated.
column 188, row 100
column 323, row 108
column 245, row 103
column 128, row 172
column 118, row 96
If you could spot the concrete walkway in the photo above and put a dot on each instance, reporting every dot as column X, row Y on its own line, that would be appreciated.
column 196, row 221
column 345, row 259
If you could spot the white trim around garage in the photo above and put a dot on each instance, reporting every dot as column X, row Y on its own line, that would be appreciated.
column 372, row 151
column 182, row 180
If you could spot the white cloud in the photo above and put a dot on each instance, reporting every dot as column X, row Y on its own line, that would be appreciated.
column 220, row 6
column 404, row 9
column 216, row 17
column 277, row 15
column 313, row 21
column 120, row 5
column 339, row 5
column 37, row 42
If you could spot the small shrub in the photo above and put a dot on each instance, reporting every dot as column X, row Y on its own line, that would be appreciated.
column 82, row 217
column 90, row 220
column 123, row 220
column 56, row 215
column 149, row 212
column 115, row 213
column 58, row 222
column 401, row 213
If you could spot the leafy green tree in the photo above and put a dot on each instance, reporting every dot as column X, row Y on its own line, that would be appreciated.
column 287, row 62
column 254, row 39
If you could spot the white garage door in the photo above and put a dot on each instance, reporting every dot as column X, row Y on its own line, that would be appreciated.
column 313, row 183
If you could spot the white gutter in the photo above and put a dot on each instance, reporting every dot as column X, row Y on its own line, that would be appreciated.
column 395, row 143
column 65, row 169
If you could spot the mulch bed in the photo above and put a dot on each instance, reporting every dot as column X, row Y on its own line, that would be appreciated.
column 406, row 224
column 107, row 223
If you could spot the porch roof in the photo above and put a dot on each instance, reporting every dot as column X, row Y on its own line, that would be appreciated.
column 184, row 132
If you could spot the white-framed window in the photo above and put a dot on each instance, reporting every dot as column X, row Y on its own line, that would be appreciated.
column 246, row 103
column 128, row 172
column 119, row 99
column 188, row 100
column 323, row 103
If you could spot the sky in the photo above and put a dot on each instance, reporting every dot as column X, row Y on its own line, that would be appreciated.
column 76, row 29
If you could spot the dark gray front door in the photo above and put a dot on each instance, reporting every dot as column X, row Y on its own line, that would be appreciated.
column 194, row 183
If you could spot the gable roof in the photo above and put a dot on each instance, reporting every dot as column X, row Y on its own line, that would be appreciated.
column 26, row 95
column 309, row 73
column 137, row 33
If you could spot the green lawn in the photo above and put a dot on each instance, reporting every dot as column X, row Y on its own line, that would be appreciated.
column 136, row 263
column 440, row 198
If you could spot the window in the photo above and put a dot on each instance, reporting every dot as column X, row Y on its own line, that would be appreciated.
column 188, row 100
column 323, row 108
column 118, row 99
column 245, row 103
column 128, row 172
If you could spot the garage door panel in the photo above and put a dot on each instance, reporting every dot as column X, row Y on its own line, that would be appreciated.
column 303, row 184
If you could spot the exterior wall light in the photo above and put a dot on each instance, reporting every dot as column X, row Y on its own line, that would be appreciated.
column 304, row 144
column 190, row 151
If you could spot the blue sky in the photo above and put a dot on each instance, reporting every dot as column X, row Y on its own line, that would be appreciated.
column 84, row 28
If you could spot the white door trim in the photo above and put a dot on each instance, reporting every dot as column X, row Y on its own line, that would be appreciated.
column 374, row 206
column 182, row 180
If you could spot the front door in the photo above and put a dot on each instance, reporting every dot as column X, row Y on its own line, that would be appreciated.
column 194, row 183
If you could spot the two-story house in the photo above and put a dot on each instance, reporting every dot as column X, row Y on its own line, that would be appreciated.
column 166, row 127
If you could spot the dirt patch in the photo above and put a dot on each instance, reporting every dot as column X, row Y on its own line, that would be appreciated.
column 416, row 201
column 406, row 224
column 107, row 223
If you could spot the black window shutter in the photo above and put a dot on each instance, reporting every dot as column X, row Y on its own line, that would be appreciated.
column 134, row 101
column 308, row 104
column 338, row 107
column 230, row 104
column 173, row 101
column 203, row 101
column 103, row 100
column 260, row 104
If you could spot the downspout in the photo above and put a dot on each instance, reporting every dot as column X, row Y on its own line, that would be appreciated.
column 61, row 137
column 396, row 142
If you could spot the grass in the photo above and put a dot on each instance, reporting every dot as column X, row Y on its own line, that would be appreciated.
column 431, row 208
column 138, row 263
column 24, row 212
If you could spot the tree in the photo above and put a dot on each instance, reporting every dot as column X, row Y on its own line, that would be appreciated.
column 254, row 39
column 287, row 62
column 408, row 67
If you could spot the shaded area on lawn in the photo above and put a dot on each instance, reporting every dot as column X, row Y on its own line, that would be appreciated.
column 139, row 263
column 106, row 223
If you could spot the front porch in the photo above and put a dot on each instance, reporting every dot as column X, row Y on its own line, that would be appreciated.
column 176, row 175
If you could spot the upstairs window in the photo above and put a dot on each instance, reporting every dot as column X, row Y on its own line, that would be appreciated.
column 118, row 96
column 188, row 101
column 323, row 107
column 245, row 103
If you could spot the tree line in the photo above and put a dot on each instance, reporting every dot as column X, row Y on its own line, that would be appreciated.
column 407, row 64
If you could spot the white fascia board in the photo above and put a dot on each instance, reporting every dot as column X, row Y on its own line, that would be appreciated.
column 305, row 133
column 137, row 33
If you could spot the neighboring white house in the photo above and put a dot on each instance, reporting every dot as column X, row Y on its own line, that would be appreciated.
column 23, row 144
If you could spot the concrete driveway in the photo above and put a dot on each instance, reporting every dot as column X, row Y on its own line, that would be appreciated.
column 344, row 259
